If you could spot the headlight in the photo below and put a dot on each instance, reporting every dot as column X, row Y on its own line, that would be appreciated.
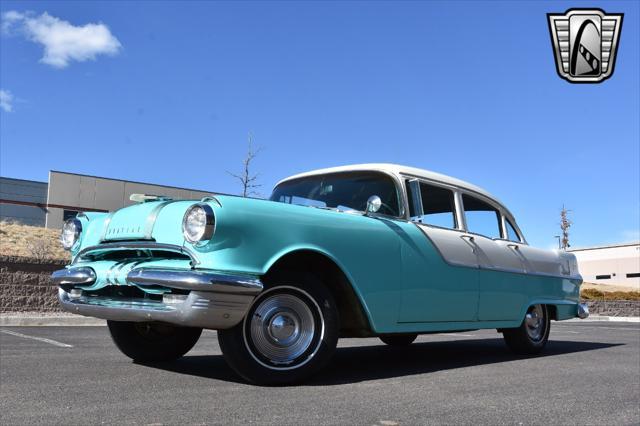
column 71, row 231
column 198, row 223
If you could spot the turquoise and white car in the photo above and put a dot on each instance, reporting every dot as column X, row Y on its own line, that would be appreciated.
column 357, row 251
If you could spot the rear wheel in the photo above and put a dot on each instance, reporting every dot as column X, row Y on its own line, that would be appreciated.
column 148, row 342
column 532, row 335
column 399, row 339
column 288, row 334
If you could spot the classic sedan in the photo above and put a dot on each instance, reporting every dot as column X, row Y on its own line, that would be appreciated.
column 357, row 251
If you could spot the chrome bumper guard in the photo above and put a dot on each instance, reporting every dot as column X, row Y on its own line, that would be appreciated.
column 215, row 301
column 583, row 310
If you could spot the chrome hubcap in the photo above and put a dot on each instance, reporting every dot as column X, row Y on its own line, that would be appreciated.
column 535, row 322
column 282, row 329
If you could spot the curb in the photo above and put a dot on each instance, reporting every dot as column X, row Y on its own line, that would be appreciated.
column 598, row 318
column 52, row 321
column 80, row 321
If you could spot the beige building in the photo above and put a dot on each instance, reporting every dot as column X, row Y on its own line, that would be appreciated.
column 615, row 264
column 70, row 193
column 51, row 203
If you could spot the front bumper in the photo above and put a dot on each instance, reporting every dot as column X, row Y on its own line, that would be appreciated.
column 207, row 299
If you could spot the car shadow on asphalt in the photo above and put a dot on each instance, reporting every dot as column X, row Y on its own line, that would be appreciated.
column 363, row 363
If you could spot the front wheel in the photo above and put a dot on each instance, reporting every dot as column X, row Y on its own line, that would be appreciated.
column 149, row 342
column 289, row 333
column 532, row 335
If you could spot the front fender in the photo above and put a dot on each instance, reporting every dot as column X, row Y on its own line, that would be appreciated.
column 251, row 235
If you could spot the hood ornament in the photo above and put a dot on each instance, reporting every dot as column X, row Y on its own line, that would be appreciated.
column 143, row 198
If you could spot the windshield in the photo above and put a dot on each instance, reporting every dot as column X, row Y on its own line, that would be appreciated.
column 347, row 191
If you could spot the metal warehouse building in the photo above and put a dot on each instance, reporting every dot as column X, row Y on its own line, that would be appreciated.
column 50, row 204
column 614, row 264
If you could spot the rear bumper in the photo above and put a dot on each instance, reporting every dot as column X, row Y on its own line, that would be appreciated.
column 213, row 300
column 583, row 310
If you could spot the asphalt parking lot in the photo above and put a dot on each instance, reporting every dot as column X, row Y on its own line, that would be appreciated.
column 589, row 374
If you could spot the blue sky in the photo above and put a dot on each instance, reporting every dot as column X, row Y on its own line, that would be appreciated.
column 465, row 89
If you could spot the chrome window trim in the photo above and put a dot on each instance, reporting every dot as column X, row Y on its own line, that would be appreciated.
column 461, row 219
column 505, row 219
column 502, row 211
column 460, row 223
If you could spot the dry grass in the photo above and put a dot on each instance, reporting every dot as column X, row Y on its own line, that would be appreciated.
column 30, row 241
column 593, row 291
column 593, row 294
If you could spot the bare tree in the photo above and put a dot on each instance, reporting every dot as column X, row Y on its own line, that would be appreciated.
column 565, row 224
column 247, row 179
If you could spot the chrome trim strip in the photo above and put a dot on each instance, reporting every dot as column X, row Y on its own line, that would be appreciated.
column 151, row 219
column 195, row 280
column 82, row 275
column 105, row 226
column 211, row 198
column 142, row 245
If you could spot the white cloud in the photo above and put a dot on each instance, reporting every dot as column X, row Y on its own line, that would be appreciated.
column 62, row 41
column 9, row 19
column 6, row 100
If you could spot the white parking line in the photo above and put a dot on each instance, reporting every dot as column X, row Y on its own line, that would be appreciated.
column 40, row 339
column 456, row 334
column 605, row 328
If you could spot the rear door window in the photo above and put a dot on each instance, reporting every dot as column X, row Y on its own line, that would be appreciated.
column 512, row 235
column 481, row 217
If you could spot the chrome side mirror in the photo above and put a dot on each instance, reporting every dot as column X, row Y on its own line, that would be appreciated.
column 373, row 204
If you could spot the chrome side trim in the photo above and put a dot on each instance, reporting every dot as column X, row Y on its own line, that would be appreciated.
column 82, row 275
column 583, row 310
column 195, row 280
column 142, row 245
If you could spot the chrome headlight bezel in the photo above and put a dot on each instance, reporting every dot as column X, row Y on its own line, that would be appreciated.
column 206, row 232
column 75, row 233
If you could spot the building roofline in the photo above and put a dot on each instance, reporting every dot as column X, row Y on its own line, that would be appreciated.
column 631, row 244
column 131, row 181
column 24, row 180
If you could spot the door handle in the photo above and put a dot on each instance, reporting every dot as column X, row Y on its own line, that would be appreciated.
column 469, row 240
column 513, row 246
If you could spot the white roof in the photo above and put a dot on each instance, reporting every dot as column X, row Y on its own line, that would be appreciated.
column 397, row 170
